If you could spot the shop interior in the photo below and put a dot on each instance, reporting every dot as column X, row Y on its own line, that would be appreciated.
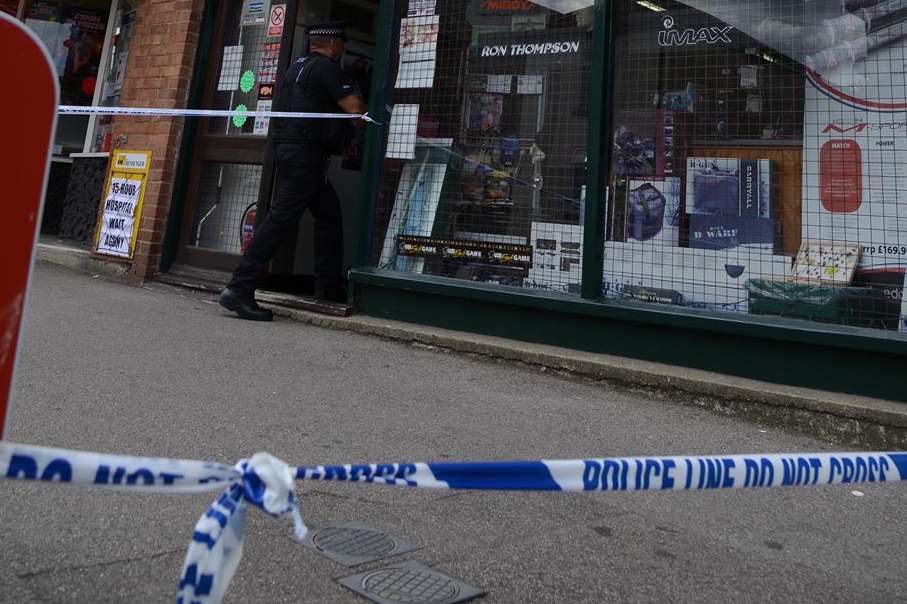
column 736, row 184
column 497, row 169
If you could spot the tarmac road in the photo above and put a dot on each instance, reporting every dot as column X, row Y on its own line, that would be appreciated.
column 155, row 371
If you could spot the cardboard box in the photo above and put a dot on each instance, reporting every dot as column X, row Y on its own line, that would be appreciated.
column 653, row 211
column 710, row 279
column 729, row 187
column 713, row 232
column 730, row 203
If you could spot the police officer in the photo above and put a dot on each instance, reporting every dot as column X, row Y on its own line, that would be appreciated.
column 314, row 83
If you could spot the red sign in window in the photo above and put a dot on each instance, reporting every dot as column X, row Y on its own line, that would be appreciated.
column 841, row 176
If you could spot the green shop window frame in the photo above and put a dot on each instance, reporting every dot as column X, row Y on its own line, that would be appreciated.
column 784, row 351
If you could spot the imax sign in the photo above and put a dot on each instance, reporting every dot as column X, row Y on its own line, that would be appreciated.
column 691, row 37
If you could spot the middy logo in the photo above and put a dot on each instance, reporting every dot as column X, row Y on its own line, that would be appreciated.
column 690, row 37
column 858, row 128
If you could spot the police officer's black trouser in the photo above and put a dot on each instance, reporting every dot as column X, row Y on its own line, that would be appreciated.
column 301, row 184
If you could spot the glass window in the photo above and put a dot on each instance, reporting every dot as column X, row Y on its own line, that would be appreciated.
column 74, row 34
column 758, row 158
column 115, row 72
column 247, row 65
column 484, row 173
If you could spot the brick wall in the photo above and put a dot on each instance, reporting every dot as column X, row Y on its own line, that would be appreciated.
column 158, row 74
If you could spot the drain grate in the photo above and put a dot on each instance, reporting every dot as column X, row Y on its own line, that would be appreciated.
column 354, row 543
column 410, row 583
column 358, row 543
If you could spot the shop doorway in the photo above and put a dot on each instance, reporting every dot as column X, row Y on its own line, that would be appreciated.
column 231, row 178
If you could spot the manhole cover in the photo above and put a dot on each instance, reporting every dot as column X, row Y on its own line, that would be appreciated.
column 359, row 543
column 410, row 583
column 354, row 543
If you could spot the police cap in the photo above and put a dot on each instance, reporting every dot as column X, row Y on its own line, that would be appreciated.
column 329, row 29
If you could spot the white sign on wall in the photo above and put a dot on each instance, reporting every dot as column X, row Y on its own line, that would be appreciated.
column 119, row 216
column 121, row 206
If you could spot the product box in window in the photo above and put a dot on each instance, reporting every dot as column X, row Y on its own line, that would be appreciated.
column 557, row 257
column 730, row 202
column 890, row 282
column 695, row 278
column 653, row 211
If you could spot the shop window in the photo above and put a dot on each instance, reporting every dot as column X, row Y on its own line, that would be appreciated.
column 758, row 158
column 484, row 174
column 114, row 72
column 74, row 34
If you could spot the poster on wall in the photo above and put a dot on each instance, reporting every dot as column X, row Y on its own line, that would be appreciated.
column 255, row 12
column 418, row 52
column 401, row 138
column 230, row 68
column 855, row 145
column 268, row 63
column 121, row 206
column 855, row 150
column 421, row 8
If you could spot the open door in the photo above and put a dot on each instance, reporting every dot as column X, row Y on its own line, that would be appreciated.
column 231, row 181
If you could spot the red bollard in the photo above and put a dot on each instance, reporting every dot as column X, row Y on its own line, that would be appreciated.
column 30, row 116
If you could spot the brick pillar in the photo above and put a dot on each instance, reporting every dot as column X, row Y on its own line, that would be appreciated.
column 158, row 74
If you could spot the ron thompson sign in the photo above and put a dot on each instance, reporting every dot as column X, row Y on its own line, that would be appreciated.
column 538, row 48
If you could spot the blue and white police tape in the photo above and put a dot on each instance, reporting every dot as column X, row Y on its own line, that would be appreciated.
column 267, row 483
column 159, row 112
column 630, row 473
column 216, row 547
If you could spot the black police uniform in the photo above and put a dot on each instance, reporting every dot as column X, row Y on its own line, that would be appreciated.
column 314, row 83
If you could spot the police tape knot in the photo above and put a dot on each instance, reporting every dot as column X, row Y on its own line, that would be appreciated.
column 267, row 484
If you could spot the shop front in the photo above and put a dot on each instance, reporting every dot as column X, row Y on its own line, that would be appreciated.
column 714, row 184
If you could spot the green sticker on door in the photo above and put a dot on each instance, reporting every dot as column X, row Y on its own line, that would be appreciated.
column 247, row 81
column 239, row 120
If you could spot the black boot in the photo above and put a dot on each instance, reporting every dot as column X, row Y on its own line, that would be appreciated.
column 244, row 305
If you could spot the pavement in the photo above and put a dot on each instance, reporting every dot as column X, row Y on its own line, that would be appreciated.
column 158, row 371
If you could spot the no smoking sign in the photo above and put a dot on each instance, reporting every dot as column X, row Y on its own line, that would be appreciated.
column 276, row 20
